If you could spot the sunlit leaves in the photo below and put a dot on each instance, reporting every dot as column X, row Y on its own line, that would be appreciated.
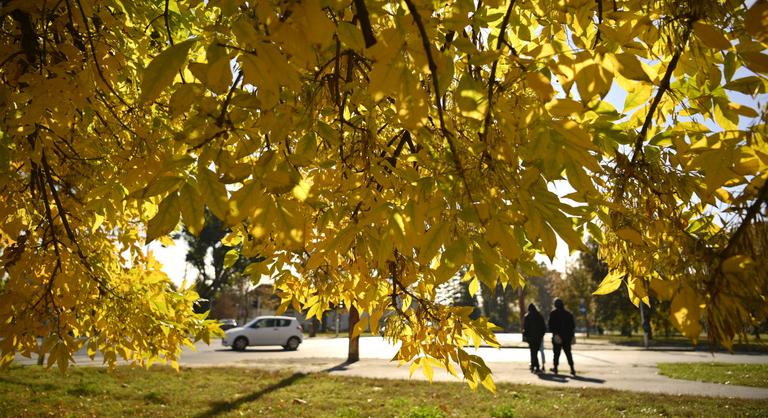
column 163, row 69
column 369, row 173
column 610, row 283
column 166, row 219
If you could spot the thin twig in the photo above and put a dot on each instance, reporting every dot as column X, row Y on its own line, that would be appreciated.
column 228, row 99
column 95, row 58
column 752, row 212
column 494, row 66
column 443, row 129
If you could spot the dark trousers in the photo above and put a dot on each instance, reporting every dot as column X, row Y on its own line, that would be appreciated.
column 565, row 347
column 534, row 346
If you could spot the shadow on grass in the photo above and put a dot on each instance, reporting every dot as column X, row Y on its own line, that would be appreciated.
column 38, row 387
column 222, row 407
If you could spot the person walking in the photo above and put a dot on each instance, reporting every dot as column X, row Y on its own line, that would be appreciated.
column 562, row 327
column 533, row 332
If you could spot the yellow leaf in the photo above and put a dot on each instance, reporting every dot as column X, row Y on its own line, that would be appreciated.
column 470, row 98
column 628, row 66
column 540, row 84
column 474, row 286
column 427, row 369
column 756, row 20
column 610, row 283
column 219, row 75
column 736, row 264
column 213, row 191
column 414, row 366
column 484, row 270
column 350, row 36
column 637, row 292
column 192, row 209
column 638, row 96
column 756, row 61
column 711, row 36
column 432, row 241
column 230, row 258
column 162, row 70
column 630, row 234
column 97, row 221
column 359, row 327
column 548, row 241
column 564, row 107
column 301, row 190
column 166, row 218
column 245, row 202
column 686, row 312
column 385, row 77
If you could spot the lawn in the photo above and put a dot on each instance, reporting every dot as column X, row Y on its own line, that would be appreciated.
column 728, row 373
column 159, row 392
column 749, row 345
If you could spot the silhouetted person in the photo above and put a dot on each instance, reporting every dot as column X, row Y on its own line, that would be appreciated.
column 562, row 327
column 533, row 332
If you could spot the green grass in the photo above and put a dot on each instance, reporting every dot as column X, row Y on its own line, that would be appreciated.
column 749, row 345
column 730, row 374
column 161, row 392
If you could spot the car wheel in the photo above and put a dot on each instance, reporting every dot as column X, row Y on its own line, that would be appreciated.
column 293, row 344
column 240, row 344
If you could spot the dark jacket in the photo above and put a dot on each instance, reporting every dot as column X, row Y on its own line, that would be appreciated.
column 533, row 325
column 561, row 323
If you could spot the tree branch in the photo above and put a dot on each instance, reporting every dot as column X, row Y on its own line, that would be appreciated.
column 752, row 212
column 365, row 23
column 443, row 129
column 220, row 120
column 663, row 87
column 95, row 58
column 492, row 78
column 599, row 21
column 167, row 24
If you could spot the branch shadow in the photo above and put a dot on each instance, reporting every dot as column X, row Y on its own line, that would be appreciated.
column 339, row 367
column 562, row 378
column 222, row 407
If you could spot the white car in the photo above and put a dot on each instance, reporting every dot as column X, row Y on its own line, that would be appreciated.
column 265, row 330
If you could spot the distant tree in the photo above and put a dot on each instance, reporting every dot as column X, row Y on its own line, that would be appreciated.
column 612, row 311
column 224, row 263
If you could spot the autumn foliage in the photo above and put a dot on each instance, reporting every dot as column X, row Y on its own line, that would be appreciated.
column 371, row 149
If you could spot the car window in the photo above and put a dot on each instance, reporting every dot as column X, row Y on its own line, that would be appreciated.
column 283, row 322
column 259, row 324
column 269, row 323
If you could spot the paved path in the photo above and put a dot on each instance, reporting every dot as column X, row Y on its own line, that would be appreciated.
column 599, row 364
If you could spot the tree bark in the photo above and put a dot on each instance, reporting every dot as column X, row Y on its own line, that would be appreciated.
column 521, row 305
column 353, row 354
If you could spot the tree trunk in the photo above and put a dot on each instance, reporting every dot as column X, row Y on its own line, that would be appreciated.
column 521, row 305
column 354, row 343
column 315, row 325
